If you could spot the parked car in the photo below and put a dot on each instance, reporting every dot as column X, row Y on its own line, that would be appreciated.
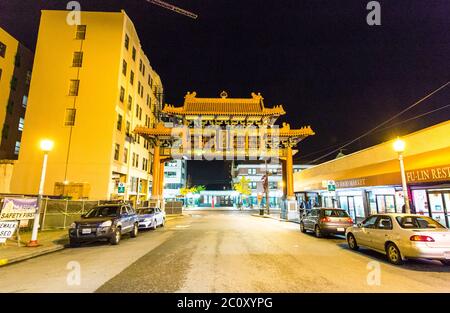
column 325, row 221
column 401, row 237
column 151, row 218
column 105, row 222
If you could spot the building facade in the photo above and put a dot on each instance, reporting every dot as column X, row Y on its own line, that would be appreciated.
column 175, row 174
column 16, row 62
column 255, row 172
column 92, row 86
column 369, row 181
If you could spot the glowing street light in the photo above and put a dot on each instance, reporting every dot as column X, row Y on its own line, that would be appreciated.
column 399, row 147
column 46, row 146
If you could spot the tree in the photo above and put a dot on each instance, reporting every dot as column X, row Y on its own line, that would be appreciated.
column 242, row 188
column 195, row 189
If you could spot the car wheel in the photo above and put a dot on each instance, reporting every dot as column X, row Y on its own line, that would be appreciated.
column 318, row 232
column 302, row 228
column 135, row 231
column 351, row 240
column 393, row 254
column 445, row 262
column 73, row 244
column 154, row 225
column 115, row 239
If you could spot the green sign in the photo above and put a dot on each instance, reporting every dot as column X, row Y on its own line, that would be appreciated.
column 121, row 188
column 331, row 185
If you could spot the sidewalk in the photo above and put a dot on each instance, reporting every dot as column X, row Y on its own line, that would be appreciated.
column 276, row 216
column 50, row 241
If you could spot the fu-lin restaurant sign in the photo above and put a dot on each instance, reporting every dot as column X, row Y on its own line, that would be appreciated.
column 431, row 174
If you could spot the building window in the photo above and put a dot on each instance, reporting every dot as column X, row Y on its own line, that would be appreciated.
column 21, row 122
column 140, row 66
column 133, row 160
column 81, row 32
column 122, row 94
column 140, row 113
column 127, row 41
column 124, row 67
column 131, row 77
column 17, row 148
column 74, row 86
column 137, row 161
column 70, row 117
column 252, row 171
column 14, row 83
column 119, row 122
column 1, row 73
column 77, row 59
column 17, row 60
column 144, row 164
column 2, row 49
column 130, row 102
column 133, row 54
column 128, row 127
column 116, row 152
column 24, row 101
column 28, row 79
column 10, row 106
column 148, row 100
column 125, row 155
column 5, row 131
column 137, row 110
column 149, row 81
column 143, row 70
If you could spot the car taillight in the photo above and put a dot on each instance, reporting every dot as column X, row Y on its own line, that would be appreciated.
column 421, row 238
column 325, row 220
column 350, row 220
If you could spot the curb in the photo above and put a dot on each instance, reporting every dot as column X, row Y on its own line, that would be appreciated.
column 275, row 218
column 4, row 262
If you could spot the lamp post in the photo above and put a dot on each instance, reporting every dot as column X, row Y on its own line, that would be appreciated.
column 46, row 146
column 399, row 147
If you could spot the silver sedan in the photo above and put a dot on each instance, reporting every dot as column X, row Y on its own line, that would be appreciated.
column 401, row 237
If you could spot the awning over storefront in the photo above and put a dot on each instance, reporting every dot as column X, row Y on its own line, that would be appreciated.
column 426, row 157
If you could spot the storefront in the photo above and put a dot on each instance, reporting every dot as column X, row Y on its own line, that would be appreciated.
column 369, row 181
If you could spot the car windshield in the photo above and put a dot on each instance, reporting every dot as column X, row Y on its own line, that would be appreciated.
column 418, row 222
column 146, row 211
column 335, row 213
column 103, row 211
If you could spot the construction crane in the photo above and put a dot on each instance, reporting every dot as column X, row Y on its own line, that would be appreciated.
column 173, row 8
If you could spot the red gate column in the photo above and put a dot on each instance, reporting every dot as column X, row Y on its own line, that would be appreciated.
column 289, row 174
column 156, row 171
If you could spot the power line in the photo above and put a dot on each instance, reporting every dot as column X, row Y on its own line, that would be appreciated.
column 384, row 123
column 379, row 130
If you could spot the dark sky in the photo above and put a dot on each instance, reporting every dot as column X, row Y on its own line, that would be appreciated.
column 318, row 58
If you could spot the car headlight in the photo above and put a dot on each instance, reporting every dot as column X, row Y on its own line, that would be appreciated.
column 73, row 225
column 106, row 224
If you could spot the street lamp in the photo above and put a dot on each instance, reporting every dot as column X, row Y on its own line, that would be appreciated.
column 46, row 146
column 399, row 147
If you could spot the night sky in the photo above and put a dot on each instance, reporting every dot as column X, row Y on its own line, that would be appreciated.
column 319, row 59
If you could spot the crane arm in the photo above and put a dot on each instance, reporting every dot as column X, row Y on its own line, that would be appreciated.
column 173, row 8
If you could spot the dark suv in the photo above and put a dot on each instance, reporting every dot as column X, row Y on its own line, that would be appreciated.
column 105, row 222
column 325, row 221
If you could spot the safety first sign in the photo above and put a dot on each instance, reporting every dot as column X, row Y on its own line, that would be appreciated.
column 7, row 229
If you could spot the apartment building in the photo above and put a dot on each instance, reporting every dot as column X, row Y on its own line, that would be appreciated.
column 16, row 62
column 92, row 85
column 175, row 174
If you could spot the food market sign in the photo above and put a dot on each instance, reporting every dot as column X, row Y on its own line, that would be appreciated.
column 18, row 209
column 7, row 229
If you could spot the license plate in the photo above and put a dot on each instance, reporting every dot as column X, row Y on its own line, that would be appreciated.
column 447, row 255
column 85, row 231
column 341, row 229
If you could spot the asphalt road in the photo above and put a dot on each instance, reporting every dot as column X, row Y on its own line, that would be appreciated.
column 222, row 252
